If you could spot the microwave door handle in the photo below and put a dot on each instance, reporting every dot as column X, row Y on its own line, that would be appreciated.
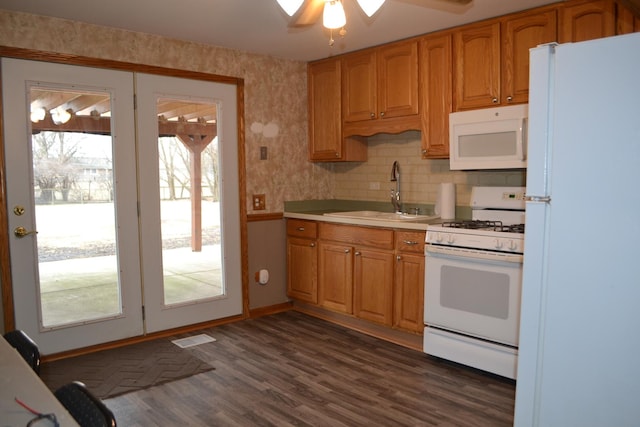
column 522, row 139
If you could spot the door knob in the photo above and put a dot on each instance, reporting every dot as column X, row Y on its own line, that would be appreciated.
column 21, row 232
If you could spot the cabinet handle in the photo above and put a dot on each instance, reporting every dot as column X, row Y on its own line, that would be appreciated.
column 372, row 115
column 509, row 98
column 346, row 251
column 381, row 113
column 398, row 258
column 300, row 228
column 357, row 253
column 494, row 100
column 337, row 154
column 313, row 245
column 409, row 242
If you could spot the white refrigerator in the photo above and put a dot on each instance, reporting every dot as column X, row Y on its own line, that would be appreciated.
column 579, row 354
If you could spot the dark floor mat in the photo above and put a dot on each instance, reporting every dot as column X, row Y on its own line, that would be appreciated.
column 109, row 373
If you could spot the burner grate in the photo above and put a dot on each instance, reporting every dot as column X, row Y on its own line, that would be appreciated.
column 485, row 225
column 473, row 224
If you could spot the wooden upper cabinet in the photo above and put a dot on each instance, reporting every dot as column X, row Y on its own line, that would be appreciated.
column 381, row 83
column 519, row 34
column 581, row 21
column 359, row 101
column 325, row 130
column 325, row 116
column 398, row 80
column 436, row 87
column 626, row 21
column 476, row 61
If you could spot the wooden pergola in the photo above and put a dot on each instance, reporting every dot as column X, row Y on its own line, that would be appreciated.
column 194, row 124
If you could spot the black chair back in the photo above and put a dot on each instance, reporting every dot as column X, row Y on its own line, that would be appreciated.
column 84, row 407
column 27, row 348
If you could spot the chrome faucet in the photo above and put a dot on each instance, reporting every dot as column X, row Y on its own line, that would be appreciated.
column 396, row 201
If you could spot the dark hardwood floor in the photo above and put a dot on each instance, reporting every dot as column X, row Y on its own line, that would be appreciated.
column 290, row 369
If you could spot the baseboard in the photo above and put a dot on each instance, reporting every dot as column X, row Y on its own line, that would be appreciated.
column 396, row 336
column 271, row 309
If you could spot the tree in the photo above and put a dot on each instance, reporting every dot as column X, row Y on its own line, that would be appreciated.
column 53, row 166
column 210, row 169
column 174, row 165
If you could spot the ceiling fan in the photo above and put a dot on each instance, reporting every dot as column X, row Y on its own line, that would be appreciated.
column 307, row 12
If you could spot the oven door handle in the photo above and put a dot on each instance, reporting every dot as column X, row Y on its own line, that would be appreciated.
column 472, row 254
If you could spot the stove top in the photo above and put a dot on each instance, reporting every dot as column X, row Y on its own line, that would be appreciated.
column 482, row 235
column 485, row 225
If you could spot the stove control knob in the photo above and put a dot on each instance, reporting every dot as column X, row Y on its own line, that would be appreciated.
column 499, row 244
column 450, row 239
column 437, row 237
column 513, row 245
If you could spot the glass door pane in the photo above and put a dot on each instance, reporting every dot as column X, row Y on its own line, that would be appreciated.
column 71, row 196
column 189, row 201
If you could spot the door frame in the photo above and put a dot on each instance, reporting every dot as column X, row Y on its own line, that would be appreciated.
column 6, row 284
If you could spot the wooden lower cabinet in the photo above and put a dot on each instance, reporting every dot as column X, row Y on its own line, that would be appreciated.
column 373, row 285
column 335, row 277
column 408, row 298
column 374, row 274
column 302, row 260
column 409, row 292
column 302, row 269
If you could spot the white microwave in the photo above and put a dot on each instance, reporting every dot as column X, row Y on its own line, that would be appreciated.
column 491, row 138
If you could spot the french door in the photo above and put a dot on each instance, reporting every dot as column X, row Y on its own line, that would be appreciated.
column 188, row 171
column 95, row 238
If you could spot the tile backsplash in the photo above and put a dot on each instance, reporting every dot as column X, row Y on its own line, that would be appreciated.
column 420, row 178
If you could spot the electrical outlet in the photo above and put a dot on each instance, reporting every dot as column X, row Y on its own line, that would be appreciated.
column 258, row 202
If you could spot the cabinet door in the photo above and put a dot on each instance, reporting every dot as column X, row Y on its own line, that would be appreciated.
column 398, row 80
column 520, row 33
column 477, row 66
column 359, row 86
column 435, row 78
column 626, row 21
column 302, row 269
column 325, row 118
column 335, row 273
column 586, row 21
column 409, row 292
column 373, row 285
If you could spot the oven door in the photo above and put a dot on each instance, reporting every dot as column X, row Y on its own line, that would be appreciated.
column 473, row 292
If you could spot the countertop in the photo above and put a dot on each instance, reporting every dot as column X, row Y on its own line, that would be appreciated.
column 314, row 210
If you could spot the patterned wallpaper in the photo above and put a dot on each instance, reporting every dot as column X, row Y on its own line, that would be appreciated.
column 275, row 94
column 275, row 116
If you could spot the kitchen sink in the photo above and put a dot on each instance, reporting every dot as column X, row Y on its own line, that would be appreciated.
column 382, row 216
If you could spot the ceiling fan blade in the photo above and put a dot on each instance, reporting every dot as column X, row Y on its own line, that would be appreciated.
column 308, row 13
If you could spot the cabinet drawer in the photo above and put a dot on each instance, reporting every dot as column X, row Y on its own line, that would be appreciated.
column 410, row 241
column 357, row 236
column 301, row 228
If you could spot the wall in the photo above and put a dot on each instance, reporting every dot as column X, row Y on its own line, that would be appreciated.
column 277, row 97
column 275, row 117
column 419, row 178
column 267, row 250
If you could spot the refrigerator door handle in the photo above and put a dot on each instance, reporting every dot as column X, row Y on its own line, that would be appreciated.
column 537, row 199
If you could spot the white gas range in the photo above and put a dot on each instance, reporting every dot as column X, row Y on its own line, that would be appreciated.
column 473, row 281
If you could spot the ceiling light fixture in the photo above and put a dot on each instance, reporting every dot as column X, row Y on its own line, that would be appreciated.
column 37, row 114
column 333, row 16
column 60, row 116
